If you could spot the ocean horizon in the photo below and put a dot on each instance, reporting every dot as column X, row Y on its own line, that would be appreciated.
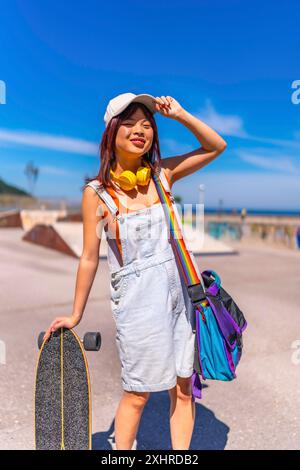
column 229, row 211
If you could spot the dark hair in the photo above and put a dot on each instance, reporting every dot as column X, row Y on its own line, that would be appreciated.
column 107, row 144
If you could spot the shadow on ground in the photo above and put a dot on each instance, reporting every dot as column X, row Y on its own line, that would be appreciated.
column 154, row 432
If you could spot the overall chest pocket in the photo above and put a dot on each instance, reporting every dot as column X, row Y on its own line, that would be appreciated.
column 146, row 231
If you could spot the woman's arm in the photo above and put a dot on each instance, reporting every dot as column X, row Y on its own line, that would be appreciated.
column 92, row 214
column 212, row 144
column 89, row 259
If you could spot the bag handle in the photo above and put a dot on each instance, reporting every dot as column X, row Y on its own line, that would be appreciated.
column 214, row 287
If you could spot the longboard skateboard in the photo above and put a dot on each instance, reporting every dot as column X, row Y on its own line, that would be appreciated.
column 63, row 391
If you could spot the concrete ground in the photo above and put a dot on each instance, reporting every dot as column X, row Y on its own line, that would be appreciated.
column 258, row 410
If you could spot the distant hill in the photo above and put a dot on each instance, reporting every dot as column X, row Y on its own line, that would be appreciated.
column 6, row 188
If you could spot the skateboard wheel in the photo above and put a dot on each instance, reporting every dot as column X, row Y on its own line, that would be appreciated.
column 92, row 341
column 40, row 339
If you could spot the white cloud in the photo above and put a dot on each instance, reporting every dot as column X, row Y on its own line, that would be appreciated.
column 233, row 126
column 226, row 124
column 57, row 171
column 269, row 160
column 289, row 144
column 174, row 147
column 43, row 170
column 48, row 141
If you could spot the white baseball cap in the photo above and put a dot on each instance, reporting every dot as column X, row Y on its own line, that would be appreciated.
column 119, row 103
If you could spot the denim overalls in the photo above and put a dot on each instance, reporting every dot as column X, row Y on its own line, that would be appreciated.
column 149, row 301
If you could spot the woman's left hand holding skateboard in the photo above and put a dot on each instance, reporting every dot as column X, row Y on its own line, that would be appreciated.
column 61, row 322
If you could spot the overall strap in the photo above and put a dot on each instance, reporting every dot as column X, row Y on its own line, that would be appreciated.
column 110, row 203
column 106, row 197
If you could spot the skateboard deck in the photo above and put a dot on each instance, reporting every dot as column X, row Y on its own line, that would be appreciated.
column 62, row 394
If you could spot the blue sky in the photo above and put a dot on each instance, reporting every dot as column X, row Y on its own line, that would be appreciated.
column 230, row 63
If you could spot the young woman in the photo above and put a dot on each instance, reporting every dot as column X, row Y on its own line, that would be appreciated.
column 149, row 301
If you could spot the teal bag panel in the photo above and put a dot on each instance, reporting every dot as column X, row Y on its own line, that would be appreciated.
column 236, row 356
column 214, row 359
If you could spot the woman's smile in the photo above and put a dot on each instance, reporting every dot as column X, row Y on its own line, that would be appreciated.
column 138, row 142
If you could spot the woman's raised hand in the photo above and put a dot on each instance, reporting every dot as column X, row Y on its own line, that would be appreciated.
column 60, row 322
column 167, row 106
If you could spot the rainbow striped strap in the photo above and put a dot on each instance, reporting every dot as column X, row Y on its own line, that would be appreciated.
column 182, row 255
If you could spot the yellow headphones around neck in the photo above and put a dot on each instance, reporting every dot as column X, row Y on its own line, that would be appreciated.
column 128, row 179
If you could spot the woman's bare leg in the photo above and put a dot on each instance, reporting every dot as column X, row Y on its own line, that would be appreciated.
column 182, row 414
column 128, row 417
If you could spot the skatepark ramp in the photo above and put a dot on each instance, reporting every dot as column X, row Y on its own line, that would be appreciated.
column 30, row 218
column 67, row 237
column 27, row 218
column 10, row 219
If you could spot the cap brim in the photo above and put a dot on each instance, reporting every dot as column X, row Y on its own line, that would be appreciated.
column 147, row 100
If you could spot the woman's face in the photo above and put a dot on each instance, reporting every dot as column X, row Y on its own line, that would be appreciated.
column 137, row 126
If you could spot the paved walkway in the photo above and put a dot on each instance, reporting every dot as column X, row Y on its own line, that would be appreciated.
column 259, row 410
